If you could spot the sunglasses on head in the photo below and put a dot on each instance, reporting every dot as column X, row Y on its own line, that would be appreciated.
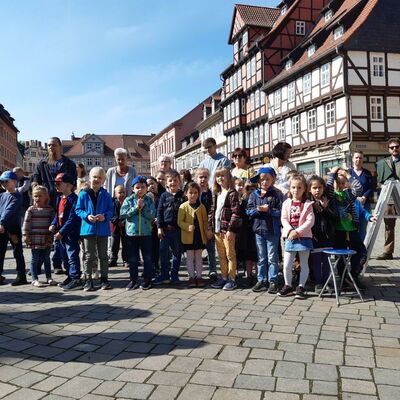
column 394, row 147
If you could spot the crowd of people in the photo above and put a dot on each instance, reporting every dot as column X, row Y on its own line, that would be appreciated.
column 259, row 221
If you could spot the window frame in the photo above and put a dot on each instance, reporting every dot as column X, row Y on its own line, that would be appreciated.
column 376, row 108
column 309, row 85
column 330, row 113
column 300, row 28
column 325, row 75
column 295, row 125
column 282, row 130
column 291, row 89
column 312, row 120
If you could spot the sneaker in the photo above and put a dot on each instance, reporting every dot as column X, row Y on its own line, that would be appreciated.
column 2, row 280
column 105, row 284
column 201, row 282
column 213, row 276
column 286, row 291
column 192, row 283
column 20, row 280
column 273, row 288
column 58, row 271
column 132, row 285
column 230, row 285
column 161, row 280
column 74, row 284
column 175, row 280
column 65, row 282
column 385, row 256
column 219, row 284
column 36, row 283
column 250, row 281
column 146, row 285
column 51, row 282
column 259, row 287
column 88, row 287
column 300, row 293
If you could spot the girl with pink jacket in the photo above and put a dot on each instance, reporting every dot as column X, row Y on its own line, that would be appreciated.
column 297, row 219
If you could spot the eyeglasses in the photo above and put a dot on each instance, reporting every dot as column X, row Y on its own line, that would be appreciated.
column 394, row 147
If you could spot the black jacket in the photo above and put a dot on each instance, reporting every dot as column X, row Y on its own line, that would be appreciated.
column 167, row 210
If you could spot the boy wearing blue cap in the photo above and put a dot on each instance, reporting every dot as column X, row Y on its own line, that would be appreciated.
column 10, row 227
column 95, row 208
column 264, row 209
column 138, row 211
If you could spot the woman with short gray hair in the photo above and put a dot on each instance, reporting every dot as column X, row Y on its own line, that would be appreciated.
column 122, row 174
column 164, row 163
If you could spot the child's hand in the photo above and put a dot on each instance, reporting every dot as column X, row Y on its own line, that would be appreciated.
column 91, row 218
column 293, row 235
column 374, row 218
column 58, row 236
column 140, row 203
column 52, row 229
column 230, row 236
column 334, row 170
column 362, row 200
column 160, row 233
column 263, row 208
column 325, row 202
column 191, row 228
column 210, row 234
column 100, row 217
column 27, row 240
column 1, row 229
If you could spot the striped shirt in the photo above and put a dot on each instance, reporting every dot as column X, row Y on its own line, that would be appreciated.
column 36, row 226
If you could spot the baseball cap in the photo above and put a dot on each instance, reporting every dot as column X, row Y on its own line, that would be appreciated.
column 8, row 175
column 139, row 179
column 263, row 170
column 64, row 177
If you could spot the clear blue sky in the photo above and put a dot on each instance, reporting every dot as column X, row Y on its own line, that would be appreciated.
column 110, row 66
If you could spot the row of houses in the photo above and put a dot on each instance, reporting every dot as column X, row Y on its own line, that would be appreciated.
column 322, row 75
column 9, row 154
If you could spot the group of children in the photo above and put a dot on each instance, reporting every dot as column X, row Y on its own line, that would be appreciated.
column 243, row 220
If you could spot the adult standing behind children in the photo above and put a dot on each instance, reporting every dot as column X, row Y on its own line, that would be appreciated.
column 389, row 169
column 214, row 160
column 121, row 174
column 10, row 226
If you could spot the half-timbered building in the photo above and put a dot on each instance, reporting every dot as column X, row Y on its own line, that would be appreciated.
column 339, row 90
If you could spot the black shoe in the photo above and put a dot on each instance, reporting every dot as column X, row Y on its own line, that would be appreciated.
column 20, row 280
column 359, row 283
column 104, row 284
column 112, row 264
column 146, row 285
column 89, row 287
column 213, row 276
column 300, row 293
column 65, row 282
column 273, row 288
column 259, row 287
column 286, row 291
column 73, row 284
column 385, row 256
column 2, row 280
column 132, row 285
column 58, row 271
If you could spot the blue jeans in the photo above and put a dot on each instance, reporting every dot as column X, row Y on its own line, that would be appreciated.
column 18, row 252
column 57, row 258
column 172, row 240
column 362, row 225
column 69, row 249
column 267, row 251
column 39, row 257
column 144, row 244
column 212, row 262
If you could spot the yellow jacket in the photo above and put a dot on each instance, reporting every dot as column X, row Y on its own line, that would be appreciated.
column 186, row 215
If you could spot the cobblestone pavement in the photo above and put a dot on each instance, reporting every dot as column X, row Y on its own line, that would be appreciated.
column 179, row 343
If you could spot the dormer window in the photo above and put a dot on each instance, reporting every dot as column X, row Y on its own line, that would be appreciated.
column 338, row 32
column 289, row 64
column 283, row 10
column 245, row 39
column 300, row 28
column 89, row 146
column 311, row 50
column 328, row 15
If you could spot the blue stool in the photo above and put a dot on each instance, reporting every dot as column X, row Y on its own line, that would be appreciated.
column 334, row 258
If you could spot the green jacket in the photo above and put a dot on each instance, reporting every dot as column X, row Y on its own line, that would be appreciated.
column 138, row 222
column 384, row 170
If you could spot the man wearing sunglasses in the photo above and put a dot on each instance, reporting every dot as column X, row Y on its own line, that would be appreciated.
column 389, row 169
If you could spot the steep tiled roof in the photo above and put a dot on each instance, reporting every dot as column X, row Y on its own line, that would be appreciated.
column 258, row 16
column 7, row 118
column 324, row 30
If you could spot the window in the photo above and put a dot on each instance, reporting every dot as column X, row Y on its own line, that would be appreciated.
column 290, row 91
column 261, row 134
column 235, row 82
column 243, row 106
column 228, row 113
column 328, row 15
column 88, row 146
column 257, row 98
column 338, row 32
column 247, row 139
column 281, row 130
column 239, row 77
column 277, row 98
column 248, row 69
column 312, row 120
column 235, row 47
column 283, row 10
column 376, row 105
column 237, row 111
column 300, row 28
column 307, row 84
column 311, row 50
column 97, row 162
column 266, row 133
column 251, row 138
column 330, row 113
column 89, row 162
column 378, row 66
column 225, row 114
column 289, row 64
column 325, row 75
column 245, row 39
column 262, row 98
column 295, row 125
column 256, row 137
column 253, row 66
column 252, row 102
column 97, row 146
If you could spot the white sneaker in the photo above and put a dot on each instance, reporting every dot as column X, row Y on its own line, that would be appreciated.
column 52, row 282
column 37, row 284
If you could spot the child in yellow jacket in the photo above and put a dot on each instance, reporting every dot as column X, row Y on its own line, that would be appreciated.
column 192, row 219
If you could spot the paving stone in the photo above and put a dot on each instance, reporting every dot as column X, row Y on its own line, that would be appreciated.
column 388, row 392
column 135, row 391
column 255, row 382
column 165, row 393
column 358, row 386
column 184, row 364
column 280, row 396
column 108, row 388
column 323, row 387
column 134, row 375
column 323, row 372
column 293, row 385
column 206, row 351
column 8, row 372
column 355, row 373
column 197, row 392
column 25, row 393
column 237, row 394
column 103, row 372
column 156, row 362
column 287, row 369
column 70, row 370
column 258, row 367
column 234, row 353
column 220, row 366
column 328, row 357
column 354, row 396
column 28, row 379
column 6, row 389
column 214, row 378
column 50, row 383
column 169, row 378
column 259, row 343
column 77, row 387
